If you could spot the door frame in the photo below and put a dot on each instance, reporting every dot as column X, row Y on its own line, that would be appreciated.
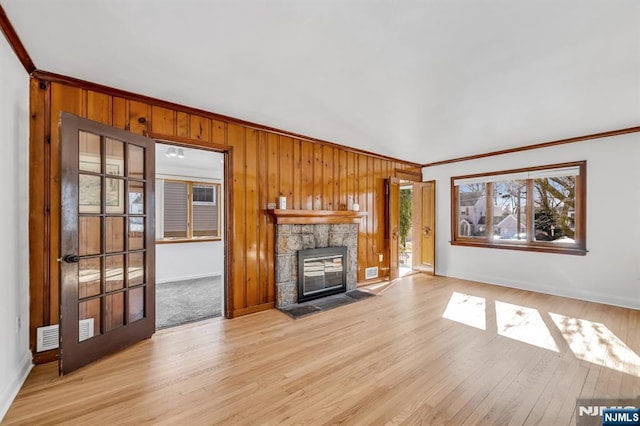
column 228, row 240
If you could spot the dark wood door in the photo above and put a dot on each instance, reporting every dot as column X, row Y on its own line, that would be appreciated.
column 424, row 237
column 393, row 227
column 107, row 240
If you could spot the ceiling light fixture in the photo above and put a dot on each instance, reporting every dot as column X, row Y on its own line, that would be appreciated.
column 174, row 152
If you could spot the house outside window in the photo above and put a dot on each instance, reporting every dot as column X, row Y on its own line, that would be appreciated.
column 536, row 209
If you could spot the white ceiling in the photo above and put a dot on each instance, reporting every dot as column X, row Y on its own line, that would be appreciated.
column 418, row 80
column 195, row 163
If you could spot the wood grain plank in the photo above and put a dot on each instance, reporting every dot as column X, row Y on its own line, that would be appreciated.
column 266, row 253
column 236, row 139
column 342, row 185
column 120, row 114
column 273, row 167
column 286, row 167
column 139, row 117
column 297, row 176
column 252, row 218
column 182, row 124
column 99, row 107
column 327, row 178
column 318, row 177
column 272, row 184
column 306, row 181
column 200, row 128
column 218, row 132
column 351, row 179
column 336, row 181
column 163, row 120
column 69, row 99
column 38, row 205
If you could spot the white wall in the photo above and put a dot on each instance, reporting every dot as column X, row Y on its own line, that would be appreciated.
column 177, row 262
column 15, row 357
column 609, row 273
column 181, row 261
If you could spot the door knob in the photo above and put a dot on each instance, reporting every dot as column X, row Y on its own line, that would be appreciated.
column 426, row 231
column 71, row 258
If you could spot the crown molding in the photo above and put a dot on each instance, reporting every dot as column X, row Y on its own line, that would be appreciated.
column 14, row 41
column 538, row 146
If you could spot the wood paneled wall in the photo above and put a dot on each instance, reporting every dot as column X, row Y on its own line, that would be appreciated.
column 266, row 165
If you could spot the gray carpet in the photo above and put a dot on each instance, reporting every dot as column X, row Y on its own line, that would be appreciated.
column 180, row 302
column 300, row 310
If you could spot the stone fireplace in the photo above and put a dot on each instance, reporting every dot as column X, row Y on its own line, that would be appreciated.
column 310, row 229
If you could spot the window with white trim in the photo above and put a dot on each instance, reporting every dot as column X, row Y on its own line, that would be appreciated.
column 190, row 210
column 537, row 209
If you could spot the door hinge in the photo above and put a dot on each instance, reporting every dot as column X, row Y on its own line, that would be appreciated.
column 48, row 139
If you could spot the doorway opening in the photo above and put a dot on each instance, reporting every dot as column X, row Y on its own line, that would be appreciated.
column 412, row 226
column 189, row 235
column 405, row 260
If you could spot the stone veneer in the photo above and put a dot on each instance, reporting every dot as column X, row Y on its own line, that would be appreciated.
column 291, row 238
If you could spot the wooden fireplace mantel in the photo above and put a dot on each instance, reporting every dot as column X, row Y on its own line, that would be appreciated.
column 312, row 217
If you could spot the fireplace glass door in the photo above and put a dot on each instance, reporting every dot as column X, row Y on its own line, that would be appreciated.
column 322, row 272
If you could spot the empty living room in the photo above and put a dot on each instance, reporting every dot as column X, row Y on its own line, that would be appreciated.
column 320, row 212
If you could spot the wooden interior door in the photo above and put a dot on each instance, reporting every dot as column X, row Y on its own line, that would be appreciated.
column 423, row 235
column 393, row 227
column 107, row 240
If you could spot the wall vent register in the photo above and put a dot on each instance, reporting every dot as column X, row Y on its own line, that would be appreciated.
column 48, row 337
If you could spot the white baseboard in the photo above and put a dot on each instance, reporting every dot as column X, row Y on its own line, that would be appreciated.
column 187, row 277
column 571, row 293
column 9, row 394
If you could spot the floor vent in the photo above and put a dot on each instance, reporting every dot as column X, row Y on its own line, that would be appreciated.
column 47, row 337
column 371, row 273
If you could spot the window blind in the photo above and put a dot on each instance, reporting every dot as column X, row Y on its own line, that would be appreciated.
column 175, row 209
column 205, row 220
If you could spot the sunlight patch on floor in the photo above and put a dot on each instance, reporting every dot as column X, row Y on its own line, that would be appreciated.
column 589, row 341
column 467, row 309
column 595, row 343
column 404, row 270
column 525, row 325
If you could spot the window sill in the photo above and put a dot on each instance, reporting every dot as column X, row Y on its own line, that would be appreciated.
column 541, row 248
column 188, row 240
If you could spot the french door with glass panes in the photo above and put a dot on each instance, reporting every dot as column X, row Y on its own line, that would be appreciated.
column 107, row 271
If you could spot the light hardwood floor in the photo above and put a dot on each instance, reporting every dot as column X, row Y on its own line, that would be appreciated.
column 417, row 353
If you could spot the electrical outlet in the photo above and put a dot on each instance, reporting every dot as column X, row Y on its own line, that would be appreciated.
column 381, row 257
